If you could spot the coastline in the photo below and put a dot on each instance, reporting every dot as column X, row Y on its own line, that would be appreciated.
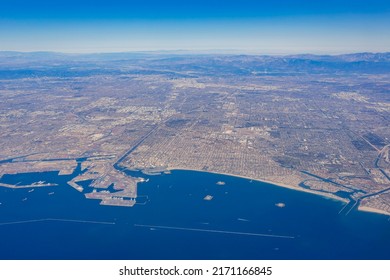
column 373, row 210
column 281, row 185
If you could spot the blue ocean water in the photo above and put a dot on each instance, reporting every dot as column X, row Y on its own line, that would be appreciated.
column 240, row 222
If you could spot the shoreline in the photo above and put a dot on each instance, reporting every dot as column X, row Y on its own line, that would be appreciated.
column 373, row 210
column 280, row 185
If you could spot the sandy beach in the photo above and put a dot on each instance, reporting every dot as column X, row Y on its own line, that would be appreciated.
column 373, row 210
column 295, row 188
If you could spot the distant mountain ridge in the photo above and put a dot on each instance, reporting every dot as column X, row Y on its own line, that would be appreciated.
column 20, row 64
column 349, row 57
column 352, row 57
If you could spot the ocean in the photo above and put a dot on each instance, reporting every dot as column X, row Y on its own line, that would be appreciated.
column 243, row 220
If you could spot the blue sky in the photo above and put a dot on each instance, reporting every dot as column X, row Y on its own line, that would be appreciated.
column 269, row 27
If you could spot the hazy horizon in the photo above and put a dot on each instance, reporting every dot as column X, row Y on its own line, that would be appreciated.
column 195, row 52
column 248, row 26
